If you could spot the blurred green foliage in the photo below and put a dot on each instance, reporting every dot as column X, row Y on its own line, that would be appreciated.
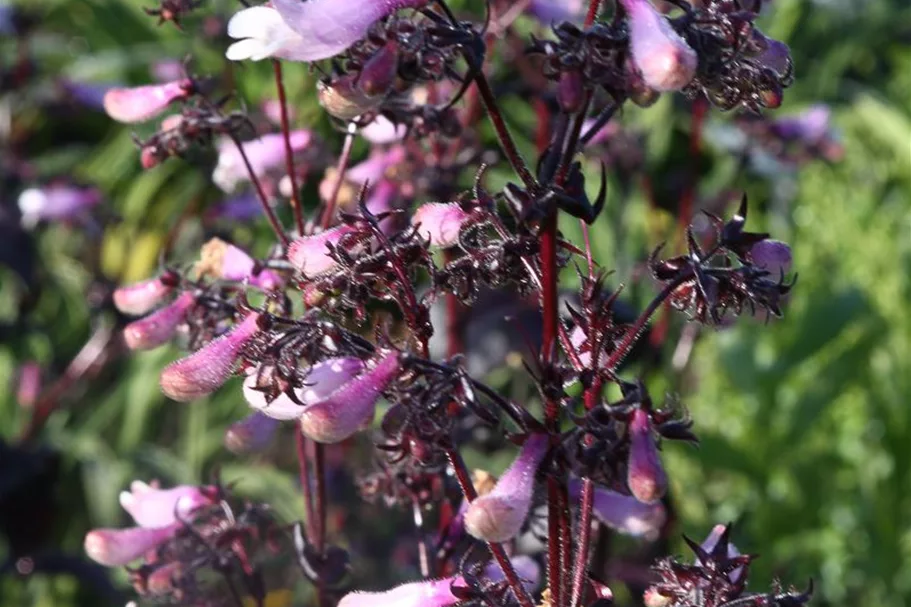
column 805, row 424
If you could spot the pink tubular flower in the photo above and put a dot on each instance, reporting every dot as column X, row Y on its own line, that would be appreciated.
column 624, row 513
column 499, row 515
column 139, row 298
column 252, row 434
column 427, row 593
column 115, row 547
column 159, row 327
column 55, row 203
column 324, row 378
column 208, row 368
column 228, row 262
column 264, row 154
column 310, row 254
column 152, row 507
column 666, row 61
column 261, row 33
column 140, row 103
column 348, row 409
column 440, row 222
column 645, row 476
column 328, row 27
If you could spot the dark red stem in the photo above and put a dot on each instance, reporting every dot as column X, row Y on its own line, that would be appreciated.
column 342, row 166
column 580, row 568
column 263, row 199
column 289, row 153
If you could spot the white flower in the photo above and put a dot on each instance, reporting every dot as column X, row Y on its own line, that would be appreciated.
column 261, row 33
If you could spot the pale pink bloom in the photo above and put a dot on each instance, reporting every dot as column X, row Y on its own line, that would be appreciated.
column 261, row 33
column 498, row 516
column 159, row 327
column 139, row 298
column 55, row 203
column 116, row 547
column 645, row 475
column 351, row 407
column 138, row 104
column 324, row 378
column 440, row 222
column 624, row 513
column 205, row 370
column 328, row 27
column 152, row 507
column 272, row 109
column 228, row 262
column 666, row 61
column 426, row 593
column 29, row 385
column 310, row 254
column 265, row 153
column 382, row 131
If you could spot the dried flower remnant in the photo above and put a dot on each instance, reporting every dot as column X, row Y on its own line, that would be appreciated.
column 208, row 368
column 499, row 515
column 138, row 104
column 225, row 261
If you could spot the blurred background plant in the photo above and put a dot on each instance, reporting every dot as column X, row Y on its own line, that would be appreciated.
column 805, row 427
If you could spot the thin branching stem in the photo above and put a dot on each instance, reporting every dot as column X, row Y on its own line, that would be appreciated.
column 289, row 153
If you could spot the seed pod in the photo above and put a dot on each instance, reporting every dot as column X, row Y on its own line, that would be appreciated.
column 344, row 100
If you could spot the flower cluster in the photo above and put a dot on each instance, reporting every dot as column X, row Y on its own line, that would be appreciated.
column 330, row 332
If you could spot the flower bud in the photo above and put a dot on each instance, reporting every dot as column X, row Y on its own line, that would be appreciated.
column 440, row 222
column 427, row 593
column 310, row 254
column 499, row 515
column 115, row 547
column 158, row 327
column 666, row 61
column 228, row 262
column 624, row 513
column 140, row 298
column 323, row 379
column 152, row 507
column 570, row 91
column 208, row 368
column 379, row 71
column 645, row 476
column 346, row 410
column 772, row 256
column 709, row 545
column 252, row 434
column 140, row 103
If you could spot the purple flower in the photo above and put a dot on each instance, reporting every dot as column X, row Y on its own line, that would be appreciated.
column 138, row 104
column 55, row 203
column 159, row 327
column 261, row 33
column 349, row 408
column 624, row 513
column 499, row 515
column 323, row 379
column 711, row 542
column 208, row 368
column 310, row 254
column 666, row 61
column 427, row 593
column 645, row 476
column 772, row 256
column 116, row 547
column 328, row 27
column 811, row 127
column 440, row 222
column 527, row 568
column 152, row 507
column 264, row 154
column 228, row 262
column 86, row 94
column 139, row 298
column 555, row 11
column 252, row 434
